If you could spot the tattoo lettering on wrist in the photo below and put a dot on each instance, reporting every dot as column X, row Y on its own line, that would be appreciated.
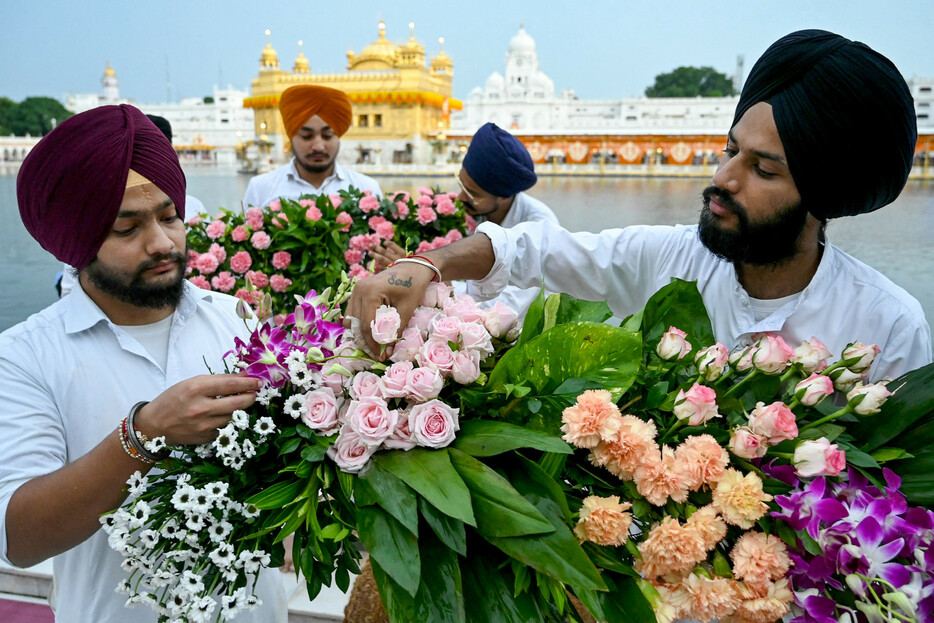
column 393, row 280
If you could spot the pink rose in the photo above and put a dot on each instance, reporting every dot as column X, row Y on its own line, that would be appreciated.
column 433, row 424
column 746, row 444
column 697, row 405
column 407, row 347
column 240, row 233
column 812, row 390
column 866, row 353
column 372, row 419
column 369, row 204
column 281, row 259
column 255, row 218
column 712, row 362
column 279, row 283
column 385, row 325
column 353, row 256
column 207, row 263
column 499, row 319
column 425, row 216
column 742, row 359
column 423, row 384
column 258, row 279
column 275, row 205
column 811, row 355
column 435, row 294
column 201, row 282
column 444, row 328
column 215, row 230
column 422, row 318
column 424, row 190
column 439, row 241
column 436, row 354
column 402, row 208
column 241, row 262
column 376, row 221
column 336, row 200
column 775, row 422
column 320, row 411
column 466, row 367
column 401, row 436
column 772, row 354
column 464, row 307
column 313, row 214
column 218, row 251
column 395, row 379
column 673, row 345
column 251, row 297
column 350, row 452
column 260, row 240
column 870, row 398
column 365, row 385
column 446, row 207
column 306, row 203
column 474, row 336
column 344, row 219
column 818, row 457
column 358, row 242
column 223, row 281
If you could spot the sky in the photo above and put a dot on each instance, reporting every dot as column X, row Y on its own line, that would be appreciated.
column 164, row 50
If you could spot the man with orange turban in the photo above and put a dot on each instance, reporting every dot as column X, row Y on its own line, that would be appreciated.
column 315, row 118
column 122, row 356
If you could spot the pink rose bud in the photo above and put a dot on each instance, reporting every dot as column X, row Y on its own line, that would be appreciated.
column 772, row 354
column 423, row 384
column 712, row 362
column 436, row 354
column 697, row 405
column 433, row 424
column 844, row 379
column 372, row 419
column 394, row 379
column 673, row 345
column 741, row 360
column 818, row 458
column 466, row 368
column 350, row 452
column 775, row 422
column 320, row 411
column 365, row 385
column 866, row 353
column 746, row 444
column 436, row 293
column 385, row 326
column 812, row 390
column 499, row 319
column 811, row 355
column 867, row 399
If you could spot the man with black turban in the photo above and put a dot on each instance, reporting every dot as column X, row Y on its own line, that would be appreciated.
column 315, row 119
column 104, row 192
column 825, row 128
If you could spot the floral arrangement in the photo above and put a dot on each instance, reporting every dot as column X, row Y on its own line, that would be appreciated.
column 293, row 246
column 700, row 482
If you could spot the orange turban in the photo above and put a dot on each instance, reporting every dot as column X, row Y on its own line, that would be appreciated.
column 300, row 103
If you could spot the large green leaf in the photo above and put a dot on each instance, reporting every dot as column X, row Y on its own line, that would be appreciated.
column 599, row 352
column 398, row 604
column 451, row 532
column 431, row 474
column 489, row 437
column 917, row 476
column 532, row 326
column 500, row 510
column 570, row 309
column 623, row 603
column 678, row 304
column 440, row 597
column 534, row 482
column 906, row 415
column 391, row 545
column 392, row 494
column 488, row 593
column 277, row 495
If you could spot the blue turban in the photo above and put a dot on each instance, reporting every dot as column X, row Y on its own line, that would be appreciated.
column 845, row 117
column 498, row 162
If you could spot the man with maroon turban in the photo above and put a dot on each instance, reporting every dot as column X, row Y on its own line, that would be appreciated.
column 814, row 105
column 315, row 118
column 84, row 382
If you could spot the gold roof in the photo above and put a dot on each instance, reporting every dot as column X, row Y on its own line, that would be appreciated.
column 381, row 54
column 301, row 62
column 269, row 59
column 109, row 71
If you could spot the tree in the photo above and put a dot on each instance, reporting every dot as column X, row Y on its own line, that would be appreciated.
column 7, row 107
column 35, row 116
column 691, row 82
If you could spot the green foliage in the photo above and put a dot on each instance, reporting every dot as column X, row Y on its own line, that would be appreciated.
column 691, row 82
column 34, row 116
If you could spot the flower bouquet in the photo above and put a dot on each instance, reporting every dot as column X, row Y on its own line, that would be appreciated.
column 447, row 464
column 293, row 246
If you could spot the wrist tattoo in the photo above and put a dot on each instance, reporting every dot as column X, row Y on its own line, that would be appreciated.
column 393, row 280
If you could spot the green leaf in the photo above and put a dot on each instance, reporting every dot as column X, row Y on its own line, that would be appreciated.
column 536, row 484
column 904, row 418
column 490, row 437
column 624, row 601
column 391, row 545
column 399, row 605
column 883, row 455
column 678, row 304
column 391, row 494
column 534, row 319
column 656, row 395
column 450, row 531
column 488, row 594
column 500, row 510
column 277, row 495
column 313, row 454
column 857, row 457
column 440, row 596
column 431, row 474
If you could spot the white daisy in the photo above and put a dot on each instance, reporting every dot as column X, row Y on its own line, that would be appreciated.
column 240, row 419
column 294, row 406
column 264, row 426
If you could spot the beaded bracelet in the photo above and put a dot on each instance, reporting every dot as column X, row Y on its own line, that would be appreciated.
column 122, row 433
column 137, row 439
column 421, row 261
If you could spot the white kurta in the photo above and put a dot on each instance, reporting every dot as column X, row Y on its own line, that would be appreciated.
column 286, row 182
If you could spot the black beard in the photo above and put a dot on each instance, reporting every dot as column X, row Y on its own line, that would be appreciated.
column 314, row 168
column 137, row 292
column 764, row 243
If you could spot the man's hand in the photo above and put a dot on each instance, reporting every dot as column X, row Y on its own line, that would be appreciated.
column 190, row 412
column 385, row 253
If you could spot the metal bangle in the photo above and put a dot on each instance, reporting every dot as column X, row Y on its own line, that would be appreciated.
column 135, row 435
column 424, row 263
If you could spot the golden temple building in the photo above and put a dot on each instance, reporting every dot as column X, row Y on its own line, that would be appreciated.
column 399, row 100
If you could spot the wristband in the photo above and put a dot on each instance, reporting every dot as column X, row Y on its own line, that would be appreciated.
column 138, row 439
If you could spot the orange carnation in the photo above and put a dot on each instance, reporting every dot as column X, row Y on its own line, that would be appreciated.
column 703, row 598
column 659, row 477
column 593, row 419
column 740, row 499
column 758, row 558
column 764, row 606
column 623, row 454
column 708, row 524
column 670, row 547
column 604, row 521
column 702, row 460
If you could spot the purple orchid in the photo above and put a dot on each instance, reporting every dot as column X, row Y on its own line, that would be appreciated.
column 266, row 353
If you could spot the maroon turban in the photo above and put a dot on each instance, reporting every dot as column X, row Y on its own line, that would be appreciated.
column 72, row 183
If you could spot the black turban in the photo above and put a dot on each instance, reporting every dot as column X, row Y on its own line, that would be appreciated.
column 72, row 183
column 845, row 117
column 498, row 162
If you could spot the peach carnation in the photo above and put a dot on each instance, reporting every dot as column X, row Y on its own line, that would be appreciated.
column 740, row 499
column 758, row 558
column 705, row 598
column 664, row 608
column 702, row 461
column 604, row 521
column 659, row 477
column 593, row 419
column 764, row 606
column 708, row 524
column 622, row 455
column 669, row 547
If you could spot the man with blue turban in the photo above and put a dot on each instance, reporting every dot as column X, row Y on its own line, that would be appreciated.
column 825, row 128
column 85, row 382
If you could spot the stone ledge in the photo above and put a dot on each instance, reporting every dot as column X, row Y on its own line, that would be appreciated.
column 25, row 582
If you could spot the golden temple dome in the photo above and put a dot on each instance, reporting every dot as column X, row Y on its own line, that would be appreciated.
column 109, row 71
column 301, row 62
column 412, row 53
column 269, row 60
column 441, row 62
column 379, row 55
